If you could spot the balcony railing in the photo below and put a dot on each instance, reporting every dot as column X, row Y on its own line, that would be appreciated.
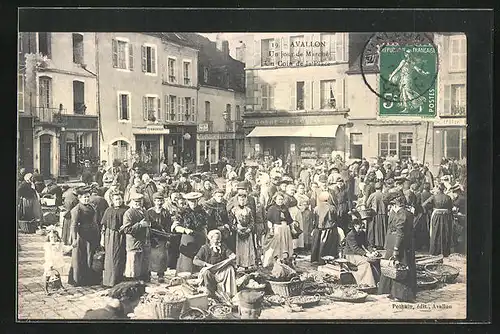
column 47, row 115
column 176, row 117
column 458, row 110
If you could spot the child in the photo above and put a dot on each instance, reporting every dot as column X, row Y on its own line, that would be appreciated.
column 54, row 260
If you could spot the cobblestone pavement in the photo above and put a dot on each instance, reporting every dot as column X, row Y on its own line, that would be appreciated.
column 447, row 302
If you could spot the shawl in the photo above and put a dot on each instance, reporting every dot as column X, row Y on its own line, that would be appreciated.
column 277, row 214
column 194, row 219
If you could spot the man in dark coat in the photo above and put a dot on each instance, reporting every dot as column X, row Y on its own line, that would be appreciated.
column 53, row 188
column 99, row 174
column 149, row 190
column 38, row 181
column 184, row 186
column 87, row 176
column 399, row 244
column 98, row 203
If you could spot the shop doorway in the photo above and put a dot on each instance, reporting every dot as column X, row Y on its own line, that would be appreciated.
column 45, row 155
column 72, row 159
column 356, row 146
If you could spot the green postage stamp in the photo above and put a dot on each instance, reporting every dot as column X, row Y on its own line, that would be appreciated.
column 408, row 80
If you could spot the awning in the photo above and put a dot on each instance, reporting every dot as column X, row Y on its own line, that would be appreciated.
column 314, row 131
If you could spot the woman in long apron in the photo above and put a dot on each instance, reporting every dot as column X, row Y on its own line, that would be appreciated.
column 279, row 237
column 192, row 224
column 325, row 235
column 441, row 227
column 85, row 238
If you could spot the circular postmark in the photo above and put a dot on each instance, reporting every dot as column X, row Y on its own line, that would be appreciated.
column 407, row 64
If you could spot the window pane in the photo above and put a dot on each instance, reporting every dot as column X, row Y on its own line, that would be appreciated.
column 453, row 143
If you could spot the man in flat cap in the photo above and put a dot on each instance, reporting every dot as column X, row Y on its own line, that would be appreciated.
column 184, row 186
column 137, row 240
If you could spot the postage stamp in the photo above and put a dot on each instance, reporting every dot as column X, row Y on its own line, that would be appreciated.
column 408, row 68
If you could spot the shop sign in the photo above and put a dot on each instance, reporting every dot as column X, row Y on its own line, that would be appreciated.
column 450, row 122
column 203, row 127
column 295, row 120
column 152, row 129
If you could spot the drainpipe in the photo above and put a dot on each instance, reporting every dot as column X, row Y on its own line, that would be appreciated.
column 100, row 135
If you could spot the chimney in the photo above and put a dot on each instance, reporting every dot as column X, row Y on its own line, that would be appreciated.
column 222, row 45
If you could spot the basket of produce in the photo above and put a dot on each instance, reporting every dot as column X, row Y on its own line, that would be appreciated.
column 28, row 226
column 424, row 260
column 293, row 287
column 349, row 295
column 364, row 288
column 165, row 305
column 442, row 272
column 220, row 311
column 275, row 300
column 193, row 313
column 254, row 285
column 392, row 269
column 304, row 301
column 426, row 281
column 316, row 289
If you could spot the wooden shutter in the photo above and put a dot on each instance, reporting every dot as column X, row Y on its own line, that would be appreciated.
column 153, row 60
column 339, row 93
column 339, row 51
column 311, row 92
column 293, row 99
column 180, row 109
column 114, row 52
column 158, row 107
column 179, row 68
column 145, row 108
column 307, row 95
column 257, row 95
column 346, row 46
column 447, row 100
column 316, row 58
column 167, row 107
column 256, row 53
column 463, row 53
column 120, row 107
column 49, row 45
column 193, row 117
column 307, row 59
column 143, row 58
column 130, row 57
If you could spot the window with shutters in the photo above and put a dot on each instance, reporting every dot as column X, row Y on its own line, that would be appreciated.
column 267, row 97
column 207, row 111
column 44, row 44
column 20, row 92
column 405, row 144
column 123, row 106
column 266, row 51
column 151, row 108
column 149, row 59
column 455, row 101
column 300, row 95
column 186, row 70
column 228, row 112
column 78, row 49
column 171, row 70
column 122, row 54
column 328, row 48
column 45, row 92
column 188, row 109
column 327, row 94
column 387, row 144
column 296, row 50
column 79, row 106
column 205, row 74
column 458, row 53
column 172, row 107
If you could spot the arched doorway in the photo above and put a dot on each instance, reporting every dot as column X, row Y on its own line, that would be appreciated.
column 119, row 151
column 45, row 154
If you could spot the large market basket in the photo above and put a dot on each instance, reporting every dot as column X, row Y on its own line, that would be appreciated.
column 287, row 289
column 27, row 226
column 163, row 308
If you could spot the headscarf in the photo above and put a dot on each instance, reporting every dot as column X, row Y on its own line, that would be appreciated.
column 28, row 177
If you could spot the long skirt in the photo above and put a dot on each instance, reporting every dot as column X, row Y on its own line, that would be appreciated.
column 81, row 272
column 189, row 247
column 277, row 244
column 222, row 280
column 379, row 230
column 441, row 233
column 114, row 257
column 422, row 231
column 159, row 257
column 66, row 230
column 324, row 242
column 245, row 251
column 137, row 263
column 173, row 251
column 364, row 273
column 404, row 290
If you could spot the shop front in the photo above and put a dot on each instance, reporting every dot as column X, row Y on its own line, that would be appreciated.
column 180, row 145
column 75, row 148
column 450, row 140
column 213, row 146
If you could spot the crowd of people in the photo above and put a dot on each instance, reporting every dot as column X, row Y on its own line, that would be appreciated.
column 185, row 221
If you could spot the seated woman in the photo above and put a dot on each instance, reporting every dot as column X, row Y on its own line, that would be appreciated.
column 356, row 252
column 216, row 261
column 125, row 298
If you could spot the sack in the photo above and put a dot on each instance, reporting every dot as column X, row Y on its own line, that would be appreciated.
column 295, row 230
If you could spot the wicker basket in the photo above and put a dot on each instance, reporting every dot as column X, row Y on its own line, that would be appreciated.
column 287, row 289
column 28, row 226
column 436, row 271
column 389, row 269
column 168, row 310
column 200, row 314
